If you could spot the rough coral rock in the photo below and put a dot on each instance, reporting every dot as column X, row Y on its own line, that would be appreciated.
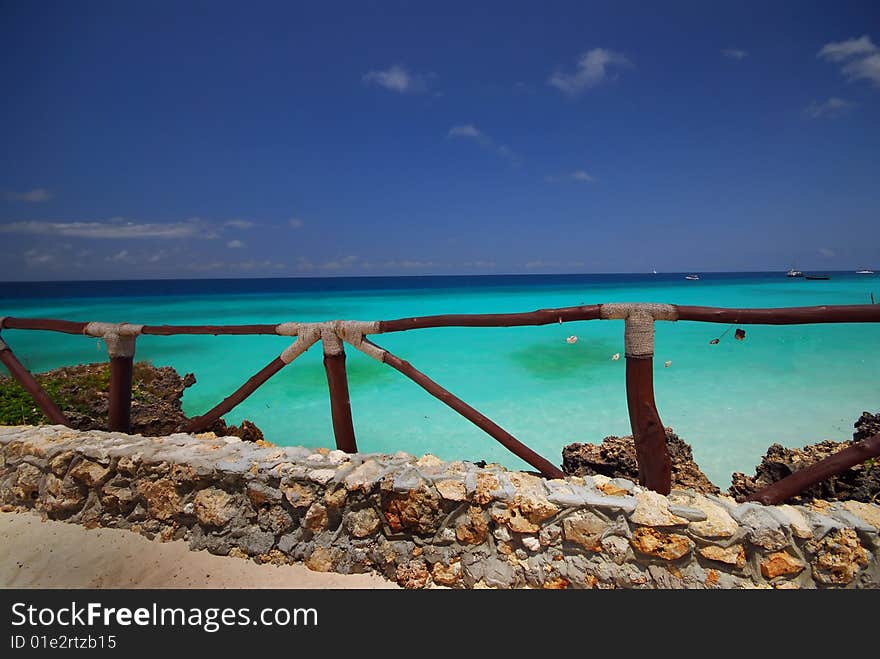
column 669, row 546
column 780, row 563
column 616, row 457
column 839, row 557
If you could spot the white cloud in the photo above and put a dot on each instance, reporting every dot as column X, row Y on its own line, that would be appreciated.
column 114, row 228
column 235, row 244
column 860, row 58
column 34, row 257
column 826, row 252
column 120, row 257
column 34, row 196
column 471, row 132
column 867, row 68
column 581, row 175
column 465, row 130
column 734, row 53
column 838, row 51
column 397, row 79
column 592, row 68
column 296, row 223
column 340, row 263
column 239, row 224
column 539, row 264
column 831, row 108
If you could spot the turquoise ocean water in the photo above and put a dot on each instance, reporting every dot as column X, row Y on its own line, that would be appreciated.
column 788, row 384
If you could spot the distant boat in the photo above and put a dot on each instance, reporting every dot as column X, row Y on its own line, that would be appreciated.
column 654, row 271
column 794, row 273
column 864, row 271
column 692, row 277
column 817, row 277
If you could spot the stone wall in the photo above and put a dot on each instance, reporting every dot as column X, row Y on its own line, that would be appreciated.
column 423, row 521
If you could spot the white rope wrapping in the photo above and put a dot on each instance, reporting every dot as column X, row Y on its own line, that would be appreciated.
column 638, row 335
column 639, row 317
column 287, row 329
column 330, row 340
column 622, row 310
column 371, row 350
column 118, row 337
column 307, row 336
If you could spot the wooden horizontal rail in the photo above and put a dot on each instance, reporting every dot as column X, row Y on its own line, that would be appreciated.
column 170, row 330
column 66, row 326
column 833, row 465
column 851, row 313
column 539, row 317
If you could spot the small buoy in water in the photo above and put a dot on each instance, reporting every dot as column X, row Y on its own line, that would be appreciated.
column 615, row 356
column 739, row 334
column 714, row 341
column 667, row 363
column 571, row 339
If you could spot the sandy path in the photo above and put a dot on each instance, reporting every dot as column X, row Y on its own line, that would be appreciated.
column 38, row 554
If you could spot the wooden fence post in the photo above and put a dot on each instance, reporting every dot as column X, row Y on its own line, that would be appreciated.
column 649, row 435
column 337, row 381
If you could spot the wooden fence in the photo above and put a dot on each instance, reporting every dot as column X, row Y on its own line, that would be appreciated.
column 639, row 318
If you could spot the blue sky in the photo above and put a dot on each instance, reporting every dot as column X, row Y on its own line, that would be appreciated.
column 182, row 139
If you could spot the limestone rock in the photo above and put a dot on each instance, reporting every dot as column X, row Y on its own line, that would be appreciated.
column 365, row 476
column 412, row 575
column 451, row 490
column 315, row 519
column 531, row 498
column 447, row 574
column 474, row 530
column 585, row 529
column 838, row 557
column 418, row 511
column 669, row 546
column 214, row 507
column 320, row 560
column 275, row 519
column 335, row 498
column 363, row 523
column 531, row 543
column 487, row 484
column 26, row 485
column 89, row 473
column 161, row 496
column 732, row 555
column 299, row 495
column 652, row 509
column 322, row 476
column 870, row 513
column 718, row 523
column 779, row 563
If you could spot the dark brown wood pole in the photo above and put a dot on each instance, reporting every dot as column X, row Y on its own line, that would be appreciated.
column 539, row 317
column 199, row 423
column 171, row 330
column 844, row 313
column 547, row 469
column 340, row 403
column 649, row 435
column 119, row 413
column 831, row 466
column 27, row 381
